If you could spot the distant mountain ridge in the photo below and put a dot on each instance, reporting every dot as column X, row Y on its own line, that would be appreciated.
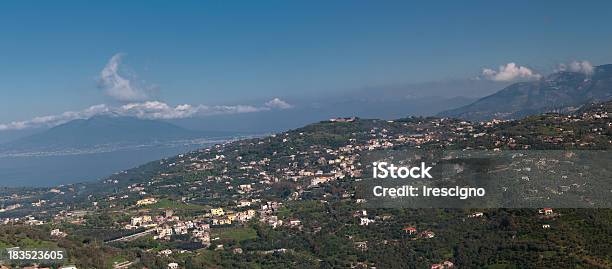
column 559, row 92
column 102, row 130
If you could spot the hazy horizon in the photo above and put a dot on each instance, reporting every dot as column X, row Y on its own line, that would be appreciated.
column 209, row 60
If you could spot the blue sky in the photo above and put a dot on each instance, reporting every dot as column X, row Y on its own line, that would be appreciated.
column 249, row 52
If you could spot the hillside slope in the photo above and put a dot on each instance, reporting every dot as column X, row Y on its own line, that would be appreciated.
column 561, row 91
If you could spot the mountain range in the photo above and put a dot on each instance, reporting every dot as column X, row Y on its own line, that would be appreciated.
column 113, row 130
column 102, row 130
column 559, row 92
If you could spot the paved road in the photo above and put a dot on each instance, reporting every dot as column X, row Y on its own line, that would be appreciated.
column 132, row 236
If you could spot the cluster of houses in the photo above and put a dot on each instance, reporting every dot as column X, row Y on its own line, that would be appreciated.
column 266, row 214
column 219, row 217
column 412, row 231
column 168, row 225
column 58, row 233
column 27, row 220
column 146, row 201
column 199, row 228
column 199, row 231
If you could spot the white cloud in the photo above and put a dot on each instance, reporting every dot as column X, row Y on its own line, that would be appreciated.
column 278, row 103
column 155, row 110
column 161, row 110
column 53, row 120
column 584, row 67
column 119, row 86
column 510, row 72
column 145, row 110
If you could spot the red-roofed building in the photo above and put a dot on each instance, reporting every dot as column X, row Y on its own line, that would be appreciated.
column 410, row 230
column 546, row 211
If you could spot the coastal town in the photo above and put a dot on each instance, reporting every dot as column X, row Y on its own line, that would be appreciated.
column 216, row 199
